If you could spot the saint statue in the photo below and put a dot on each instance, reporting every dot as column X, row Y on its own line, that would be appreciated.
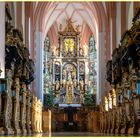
column 75, row 81
column 81, row 98
column 64, row 74
column 55, row 51
column 64, row 83
column 85, row 47
column 114, row 97
column 69, row 24
column 74, row 75
column 106, row 104
column 69, row 76
column 81, row 52
column 57, row 84
column 69, row 96
column 82, row 84
column 110, row 101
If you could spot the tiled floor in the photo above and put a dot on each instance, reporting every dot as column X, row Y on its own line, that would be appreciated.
column 66, row 134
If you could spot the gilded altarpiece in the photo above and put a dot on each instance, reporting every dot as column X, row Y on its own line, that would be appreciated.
column 68, row 67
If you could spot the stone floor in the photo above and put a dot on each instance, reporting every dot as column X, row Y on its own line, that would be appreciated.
column 69, row 134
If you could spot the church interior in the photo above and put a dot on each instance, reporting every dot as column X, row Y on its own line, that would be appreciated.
column 70, row 68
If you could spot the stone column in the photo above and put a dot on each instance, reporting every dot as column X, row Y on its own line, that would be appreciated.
column 0, row 99
column 100, row 67
column 38, row 86
column 2, row 39
column 16, row 112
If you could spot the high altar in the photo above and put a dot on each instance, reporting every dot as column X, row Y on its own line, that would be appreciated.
column 69, row 62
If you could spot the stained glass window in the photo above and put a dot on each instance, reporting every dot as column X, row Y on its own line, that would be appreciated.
column 138, row 87
column 92, row 65
column 46, row 70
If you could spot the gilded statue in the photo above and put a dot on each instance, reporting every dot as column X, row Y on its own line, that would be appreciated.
column 106, row 104
column 81, row 52
column 55, row 51
column 69, row 25
column 69, row 45
column 110, row 101
column 81, row 98
column 57, row 84
column 69, row 96
column 85, row 47
column 64, row 74
column 75, row 82
column 64, row 83
column 69, row 76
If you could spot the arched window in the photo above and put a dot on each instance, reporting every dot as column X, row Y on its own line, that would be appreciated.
column 92, row 65
column 46, row 69
column 138, row 87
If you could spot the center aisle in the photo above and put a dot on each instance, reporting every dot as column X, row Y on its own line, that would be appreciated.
column 69, row 134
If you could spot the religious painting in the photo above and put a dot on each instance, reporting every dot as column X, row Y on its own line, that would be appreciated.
column 69, row 47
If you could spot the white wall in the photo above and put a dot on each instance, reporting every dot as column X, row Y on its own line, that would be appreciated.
column 29, row 39
column 23, row 20
column 101, row 67
column 2, row 39
column 118, row 23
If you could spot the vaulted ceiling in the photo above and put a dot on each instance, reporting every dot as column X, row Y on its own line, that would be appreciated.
column 79, row 14
column 91, row 16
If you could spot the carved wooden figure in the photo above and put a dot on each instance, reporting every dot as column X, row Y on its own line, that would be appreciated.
column 134, row 103
column 8, row 104
column 16, row 112
column 35, row 114
column 32, row 114
column 28, row 117
column 23, row 108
